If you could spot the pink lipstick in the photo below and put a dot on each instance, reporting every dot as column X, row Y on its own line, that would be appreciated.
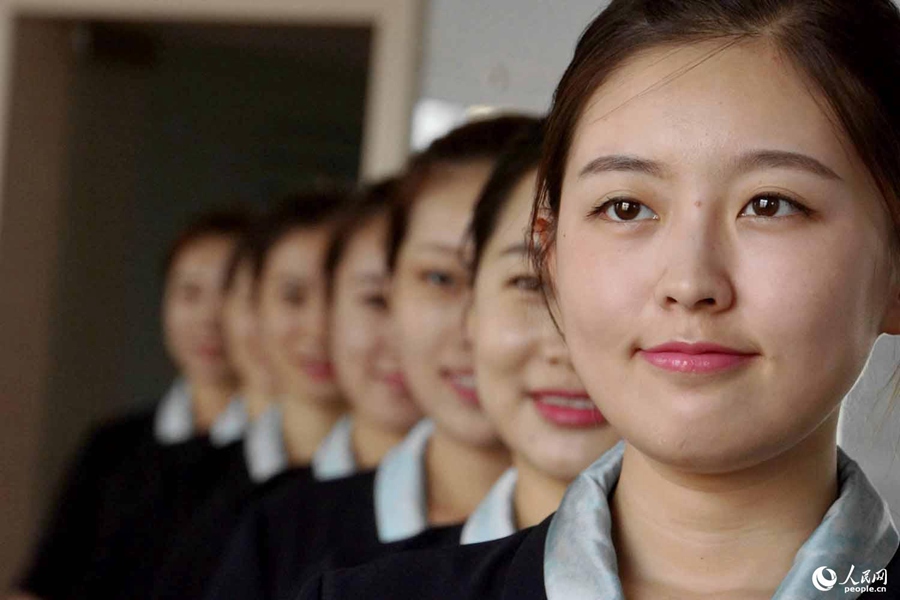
column 463, row 383
column 700, row 358
column 319, row 370
column 566, row 408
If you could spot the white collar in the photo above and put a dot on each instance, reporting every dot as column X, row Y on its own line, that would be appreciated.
column 334, row 457
column 401, row 506
column 495, row 516
column 231, row 423
column 580, row 560
column 264, row 450
column 174, row 419
column 173, row 422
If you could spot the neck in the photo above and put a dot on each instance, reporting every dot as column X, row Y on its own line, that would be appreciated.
column 685, row 535
column 256, row 401
column 459, row 476
column 305, row 426
column 537, row 494
column 208, row 400
column 371, row 442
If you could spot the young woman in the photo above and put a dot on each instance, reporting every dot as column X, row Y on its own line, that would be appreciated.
column 714, row 177
column 198, row 549
column 243, row 336
column 139, row 480
column 292, row 291
column 443, row 468
column 363, row 348
column 524, row 376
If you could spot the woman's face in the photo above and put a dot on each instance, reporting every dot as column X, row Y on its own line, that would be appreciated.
column 525, row 379
column 293, row 308
column 192, row 310
column 242, row 335
column 361, row 343
column 429, row 296
column 722, row 257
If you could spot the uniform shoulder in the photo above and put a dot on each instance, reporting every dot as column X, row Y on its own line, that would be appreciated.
column 505, row 568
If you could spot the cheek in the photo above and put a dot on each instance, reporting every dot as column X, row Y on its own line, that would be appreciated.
column 599, row 291
column 503, row 347
column 178, row 321
column 419, row 325
column 353, row 343
column 809, row 297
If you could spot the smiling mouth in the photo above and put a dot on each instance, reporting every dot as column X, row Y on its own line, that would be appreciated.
column 463, row 383
column 567, row 409
column 319, row 370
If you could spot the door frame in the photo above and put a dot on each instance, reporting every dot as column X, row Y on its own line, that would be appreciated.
column 36, row 51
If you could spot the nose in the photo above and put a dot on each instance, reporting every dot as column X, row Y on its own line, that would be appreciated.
column 553, row 347
column 315, row 321
column 694, row 261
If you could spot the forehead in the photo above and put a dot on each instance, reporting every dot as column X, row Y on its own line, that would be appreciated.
column 707, row 102
column 207, row 252
column 444, row 206
column 300, row 250
column 366, row 251
column 513, row 224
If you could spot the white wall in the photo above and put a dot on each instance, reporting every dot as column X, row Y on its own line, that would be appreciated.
column 511, row 53
column 508, row 53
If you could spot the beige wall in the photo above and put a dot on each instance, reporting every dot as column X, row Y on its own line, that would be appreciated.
column 28, row 246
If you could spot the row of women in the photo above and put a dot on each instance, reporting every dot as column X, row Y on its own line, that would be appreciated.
column 694, row 252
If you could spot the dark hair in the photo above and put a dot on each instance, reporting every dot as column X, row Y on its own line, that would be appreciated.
column 520, row 158
column 849, row 50
column 219, row 223
column 479, row 140
column 299, row 211
column 243, row 252
column 368, row 203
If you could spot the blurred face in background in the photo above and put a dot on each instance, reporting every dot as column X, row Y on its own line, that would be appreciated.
column 362, row 347
column 242, row 332
column 293, row 308
column 430, row 294
column 525, row 379
column 192, row 310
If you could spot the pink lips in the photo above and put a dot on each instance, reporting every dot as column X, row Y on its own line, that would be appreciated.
column 700, row 358
column 319, row 370
column 396, row 381
column 463, row 383
column 566, row 408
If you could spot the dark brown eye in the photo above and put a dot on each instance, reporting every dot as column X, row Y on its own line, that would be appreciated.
column 771, row 205
column 626, row 210
column 766, row 207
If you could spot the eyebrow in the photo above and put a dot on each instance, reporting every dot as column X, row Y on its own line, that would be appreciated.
column 516, row 249
column 779, row 159
column 624, row 163
column 438, row 247
column 751, row 161
column 376, row 279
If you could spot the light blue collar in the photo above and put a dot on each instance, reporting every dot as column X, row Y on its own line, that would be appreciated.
column 173, row 422
column 580, row 560
column 334, row 458
column 401, row 506
column 174, row 419
column 495, row 516
column 231, row 424
column 264, row 450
